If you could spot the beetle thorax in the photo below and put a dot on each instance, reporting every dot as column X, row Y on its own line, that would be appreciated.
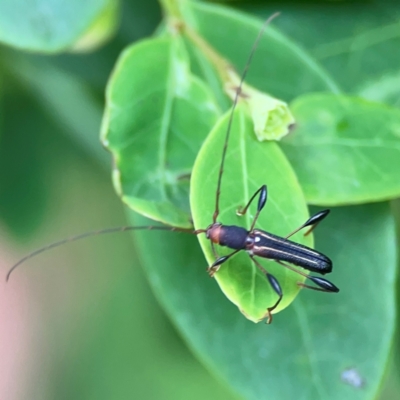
column 234, row 237
column 214, row 232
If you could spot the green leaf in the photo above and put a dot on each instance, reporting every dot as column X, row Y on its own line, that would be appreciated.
column 356, row 43
column 385, row 89
column 312, row 342
column 271, row 117
column 279, row 66
column 369, row 52
column 249, row 164
column 345, row 150
column 156, row 118
column 47, row 25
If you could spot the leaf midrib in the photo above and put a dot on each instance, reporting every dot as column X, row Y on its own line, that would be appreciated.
column 245, row 179
column 165, row 122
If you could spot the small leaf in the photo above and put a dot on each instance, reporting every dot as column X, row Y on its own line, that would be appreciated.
column 345, row 150
column 47, row 25
column 314, row 340
column 156, row 118
column 271, row 117
column 249, row 164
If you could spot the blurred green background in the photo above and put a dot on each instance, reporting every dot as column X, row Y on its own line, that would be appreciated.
column 81, row 322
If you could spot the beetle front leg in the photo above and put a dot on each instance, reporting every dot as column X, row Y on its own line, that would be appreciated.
column 216, row 265
column 261, row 203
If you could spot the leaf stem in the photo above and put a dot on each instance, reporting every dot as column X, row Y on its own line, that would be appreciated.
column 172, row 8
column 221, row 64
column 176, row 21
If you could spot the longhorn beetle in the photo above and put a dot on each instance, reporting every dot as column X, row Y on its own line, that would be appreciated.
column 256, row 242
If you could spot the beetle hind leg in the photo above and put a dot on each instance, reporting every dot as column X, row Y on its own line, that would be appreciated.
column 275, row 286
column 323, row 285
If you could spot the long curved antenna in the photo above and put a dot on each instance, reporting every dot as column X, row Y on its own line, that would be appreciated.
column 98, row 232
column 238, row 92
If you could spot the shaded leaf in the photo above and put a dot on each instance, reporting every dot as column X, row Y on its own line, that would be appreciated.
column 249, row 164
column 77, row 111
column 23, row 173
column 345, row 150
column 313, row 341
column 356, row 42
column 157, row 116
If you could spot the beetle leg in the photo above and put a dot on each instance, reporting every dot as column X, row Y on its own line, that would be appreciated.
column 275, row 286
column 216, row 265
column 313, row 221
column 261, row 203
column 324, row 284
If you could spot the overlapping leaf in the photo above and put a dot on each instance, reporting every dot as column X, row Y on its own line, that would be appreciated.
column 311, row 343
column 157, row 116
column 345, row 150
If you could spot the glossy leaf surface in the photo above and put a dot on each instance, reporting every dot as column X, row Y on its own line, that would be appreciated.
column 344, row 150
column 249, row 164
column 313, row 341
column 157, row 116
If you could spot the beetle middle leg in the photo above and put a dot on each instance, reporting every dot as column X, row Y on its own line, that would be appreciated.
column 313, row 221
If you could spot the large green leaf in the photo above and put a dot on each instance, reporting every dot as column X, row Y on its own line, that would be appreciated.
column 157, row 116
column 249, row 164
column 356, row 42
column 345, row 150
column 279, row 66
column 49, row 25
column 305, row 351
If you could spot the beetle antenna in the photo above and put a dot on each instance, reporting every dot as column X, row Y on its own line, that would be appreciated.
column 235, row 101
column 98, row 232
